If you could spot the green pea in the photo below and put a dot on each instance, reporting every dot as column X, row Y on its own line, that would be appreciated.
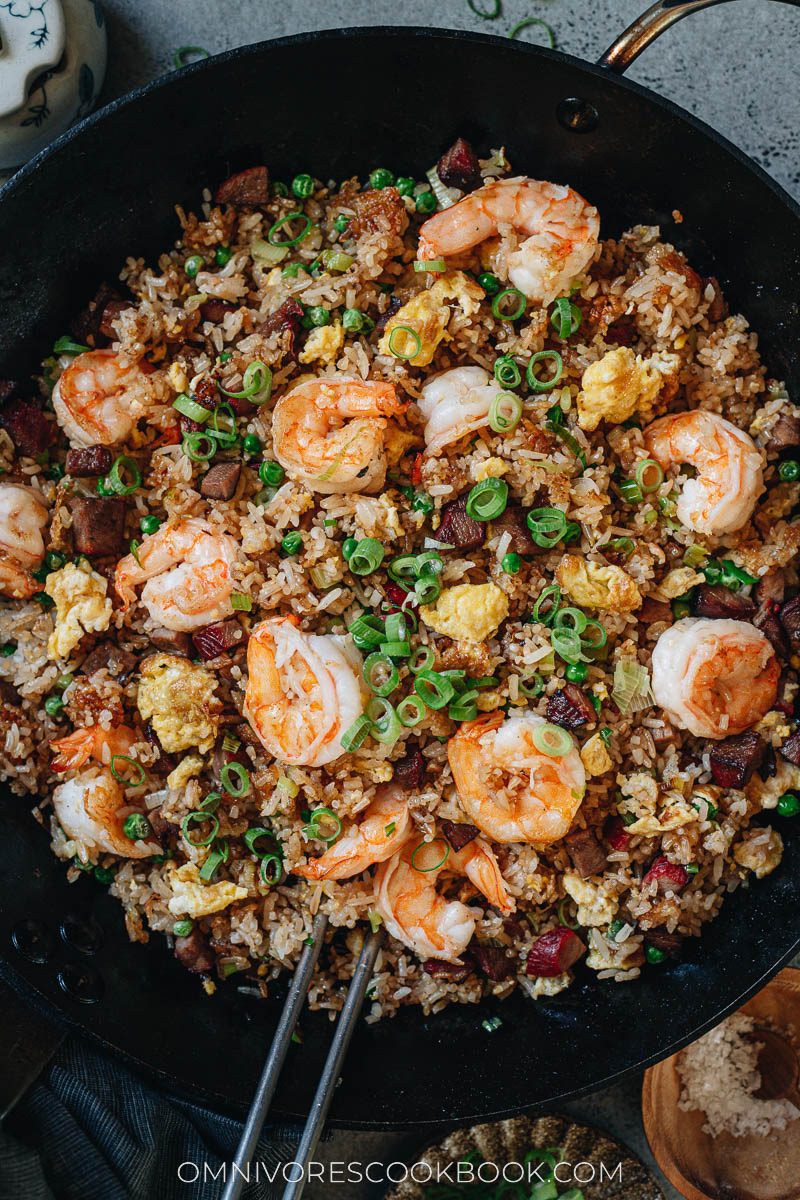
column 788, row 805
column 348, row 546
column 654, row 955
column 102, row 487
column 104, row 875
column 352, row 320
column 279, row 189
column 341, row 223
column 789, row 470
column 63, row 681
column 511, row 563
column 136, row 827
column 576, row 672
column 489, row 282
column 193, row 265
column 53, row 705
column 681, row 608
column 7, row 649
column 54, row 560
column 405, row 186
column 303, row 186
column 426, row 202
column 183, row 928
column 149, row 524
column 292, row 542
column 223, row 255
column 381, row 178
column 271, row 473
column 251, row 444
column 319, row 315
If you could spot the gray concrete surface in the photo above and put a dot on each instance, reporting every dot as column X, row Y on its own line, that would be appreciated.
column 734, row 65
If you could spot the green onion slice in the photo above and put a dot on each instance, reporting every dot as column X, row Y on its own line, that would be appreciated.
column 571, row 618
column 403, row 569
column 487, row 16
column 199, row 447
column 410, row 711
column 504, row 413
column 198, row 53
column 506, row 372
column 367, row 631
column 271, row 869
column 544, row 385
column 547, row 526
column 257, row 381
column 356, row 734
column 437, row 265
column 367, row 557
column 434, row 689
column 235, row 771
column 138, row 769
column 318, row 817
column 200, row 817
column 626, row 546
column 188, row 407
column 547, row 606
column 552, row 740
column 531, row 686
column 385, row 724
column 503, row 299
column 421, row 660
column 566, row 317
column 567, row 644
column 427, row 590
column 406, row 332
column 487, row 500
column 534, row 21
column 442, row 860
column 114, row 478
column 380, row 674
column 241, row 602
column 569, row 440
column 272, row 237
column 649, row 475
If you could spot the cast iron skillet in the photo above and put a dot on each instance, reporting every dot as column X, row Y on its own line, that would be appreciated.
column 369, row 97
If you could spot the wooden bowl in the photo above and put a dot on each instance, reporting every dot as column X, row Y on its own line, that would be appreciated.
column 726, row 1167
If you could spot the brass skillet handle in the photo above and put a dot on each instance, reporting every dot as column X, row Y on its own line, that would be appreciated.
column 650, row 25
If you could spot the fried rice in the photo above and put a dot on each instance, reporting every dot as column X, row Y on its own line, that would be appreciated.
column 225, row 296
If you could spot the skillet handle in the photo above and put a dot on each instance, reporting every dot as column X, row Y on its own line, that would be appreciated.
column 650, row 25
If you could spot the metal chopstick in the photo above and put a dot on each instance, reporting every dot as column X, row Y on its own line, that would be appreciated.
column 345, row 1027
column 295, row 999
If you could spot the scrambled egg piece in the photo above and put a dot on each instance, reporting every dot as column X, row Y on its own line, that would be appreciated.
column 762, row 858
column 615, row 387
column 620, row 956
column 428, row 315
column 186, row 769
column 323, row 343
column 678, row 581
column 595, row 756
column 469, row 612
column 178, row 379
column 396, row 442
column 674, row 813
column 82, row 606
column 193, row 898
column 549, row 985
column 595, row 905
column 178, row 697
column 593, row 585
column 491, row 468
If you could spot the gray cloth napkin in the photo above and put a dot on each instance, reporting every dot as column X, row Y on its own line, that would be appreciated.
column 89, row 1129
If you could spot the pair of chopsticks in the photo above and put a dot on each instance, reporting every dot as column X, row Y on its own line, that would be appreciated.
column 345, row 1027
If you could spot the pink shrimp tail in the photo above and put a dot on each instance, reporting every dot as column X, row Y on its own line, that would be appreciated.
column 73, row 750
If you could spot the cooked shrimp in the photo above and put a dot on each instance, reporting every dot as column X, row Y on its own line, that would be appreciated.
column 721, row 498
column 92, row 742
column 97, row 400
column 559, row 227
column 381, row 831
column 456, row 403
column 303, row 692
column 415, row 913
column 329, row 433
column 188, row 571
column 87, row 809
column 714, row 678
column 511, row 789
column 23, row 516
